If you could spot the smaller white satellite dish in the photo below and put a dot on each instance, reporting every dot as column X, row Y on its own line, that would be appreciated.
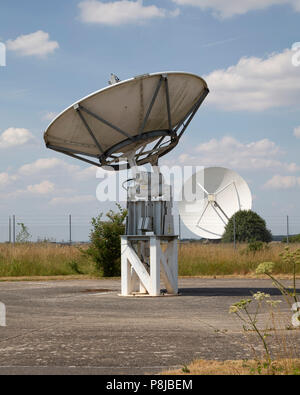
column 217, row 194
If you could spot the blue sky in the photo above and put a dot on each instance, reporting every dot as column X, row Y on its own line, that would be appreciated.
column 58, row 52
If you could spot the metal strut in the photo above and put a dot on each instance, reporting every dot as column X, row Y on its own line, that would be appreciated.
column 89, row 130
column 100, row 119
column 168, row 102
column 151, row 106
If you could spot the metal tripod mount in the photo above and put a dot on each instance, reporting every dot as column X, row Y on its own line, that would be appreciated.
column 149, row 249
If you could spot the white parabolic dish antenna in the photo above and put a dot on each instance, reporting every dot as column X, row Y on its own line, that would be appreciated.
column 129, row 124
column 218, row 194
column 145, row 116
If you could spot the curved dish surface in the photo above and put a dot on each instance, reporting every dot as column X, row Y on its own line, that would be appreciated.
column 125, row 117
column 218, row 193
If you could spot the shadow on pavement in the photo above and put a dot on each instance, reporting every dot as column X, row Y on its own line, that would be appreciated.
column 228, row 291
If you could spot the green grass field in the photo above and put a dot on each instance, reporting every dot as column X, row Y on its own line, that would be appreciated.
column 194, row 260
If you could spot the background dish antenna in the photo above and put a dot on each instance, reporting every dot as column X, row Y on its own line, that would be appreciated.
column 218, row 194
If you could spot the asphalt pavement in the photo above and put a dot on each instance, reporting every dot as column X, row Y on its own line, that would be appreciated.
column 84, row 327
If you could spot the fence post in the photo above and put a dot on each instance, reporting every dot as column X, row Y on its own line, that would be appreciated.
column 70, row 228
column 9, row 230
column 14, row 229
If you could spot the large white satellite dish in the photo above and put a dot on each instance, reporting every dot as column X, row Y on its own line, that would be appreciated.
column 218, row 193
column 145, row 115
column 128, row 124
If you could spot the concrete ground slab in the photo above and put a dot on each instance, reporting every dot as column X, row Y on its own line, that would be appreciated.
column 84, row 327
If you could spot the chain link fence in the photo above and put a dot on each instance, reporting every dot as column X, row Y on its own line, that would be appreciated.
column 76, row 228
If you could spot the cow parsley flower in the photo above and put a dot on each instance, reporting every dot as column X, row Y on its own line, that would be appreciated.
column 265, row 268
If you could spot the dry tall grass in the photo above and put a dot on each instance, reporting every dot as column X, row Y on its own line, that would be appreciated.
column 42, row 260
column 202, row 367
column 222, row 259
column 194, row 260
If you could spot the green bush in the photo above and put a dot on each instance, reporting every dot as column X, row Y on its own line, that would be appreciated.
column 292, row 239
column 250, row 227
column 105, row 248
column 255, row 246
column 74, row 266
column 23, row 236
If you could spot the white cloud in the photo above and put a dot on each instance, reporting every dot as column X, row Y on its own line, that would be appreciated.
column 120, row 12
column 282, row 182
column 256, row 84
column 73, row 200
column 56, row 167
column 297, row 132
column 4, row 179
column 232, row 153
column 42, row 165
column 229, row 8
column 52, row 178
column 87, row 173
column 13, row 137
column 257, row 148
column 43, row 188
column 34, row 44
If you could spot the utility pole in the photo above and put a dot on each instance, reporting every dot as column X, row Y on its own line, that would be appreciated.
column 179, row 227
column 287, row 230
column 14, row 229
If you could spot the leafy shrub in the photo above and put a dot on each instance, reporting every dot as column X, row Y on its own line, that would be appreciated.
column 250, row 227
column 23, row 236
column 254, row 247
column 105, row 248
column 292, row 239
column 75, row 267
